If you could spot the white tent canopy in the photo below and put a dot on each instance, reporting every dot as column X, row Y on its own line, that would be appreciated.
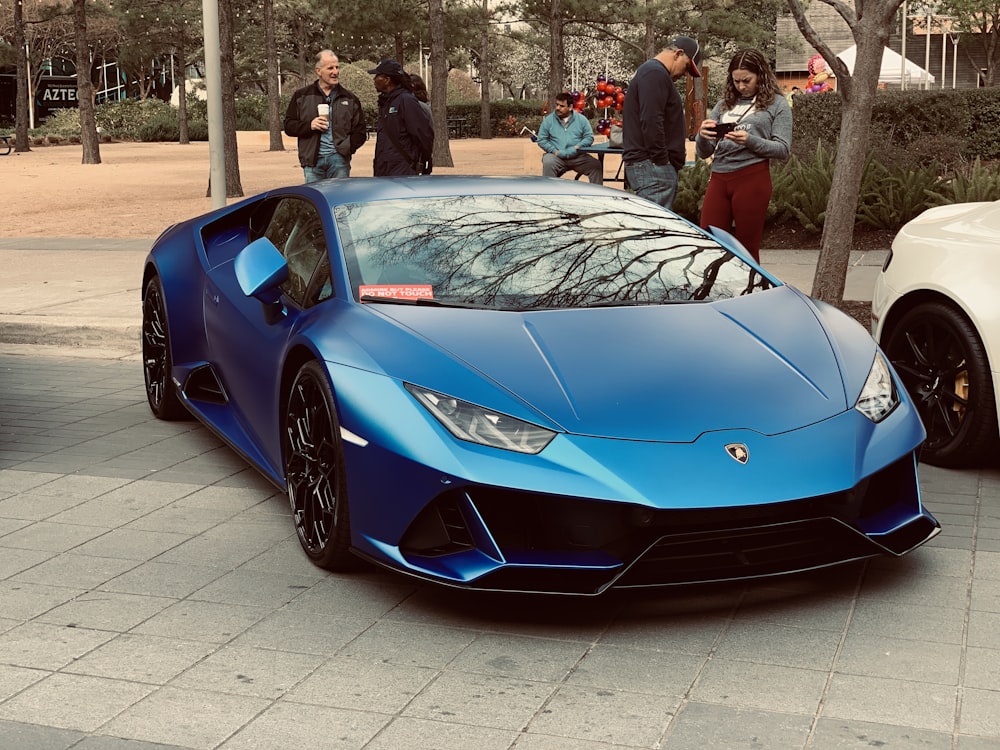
column 892, row 67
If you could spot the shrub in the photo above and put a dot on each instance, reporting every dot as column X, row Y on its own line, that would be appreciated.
column 123, row 119
column 968, row 185
column 62, row 122
column 906, row 125
column 251, row 111
column 166, row 127
column 890, row 198
column 801, row 188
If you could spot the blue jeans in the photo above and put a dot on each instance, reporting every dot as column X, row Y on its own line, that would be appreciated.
column 653, row 182
column 328, row 165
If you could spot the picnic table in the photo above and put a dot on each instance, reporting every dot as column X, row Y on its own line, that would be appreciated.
column 600, row 150
column 458, row 127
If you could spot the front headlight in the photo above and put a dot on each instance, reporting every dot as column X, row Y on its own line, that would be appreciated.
column 478, row 425
column 878, row 397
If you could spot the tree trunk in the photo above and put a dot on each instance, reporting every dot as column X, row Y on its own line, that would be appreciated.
column 272, row 73
column 485, row 126
column 234, row 188
column 21, row 102
column 556, row 52
column 439, row 85
column 857, row 91
column 649, row 32
column 857, row 101
column 84, row 88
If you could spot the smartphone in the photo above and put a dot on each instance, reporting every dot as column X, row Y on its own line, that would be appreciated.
column 721, row 128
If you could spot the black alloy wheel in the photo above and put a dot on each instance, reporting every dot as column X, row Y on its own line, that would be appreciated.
column 943, row 364
column 314, row 471
column 161, row 393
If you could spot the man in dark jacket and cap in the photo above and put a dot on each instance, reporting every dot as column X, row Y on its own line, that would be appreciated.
column 328, row 121
column 653, row 121
column 405, row 141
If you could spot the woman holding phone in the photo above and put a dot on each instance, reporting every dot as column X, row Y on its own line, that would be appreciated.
column 751, row 125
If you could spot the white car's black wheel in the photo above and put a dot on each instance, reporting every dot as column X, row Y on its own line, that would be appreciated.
column 943, row 364
column 161, row 393
column 314, row 470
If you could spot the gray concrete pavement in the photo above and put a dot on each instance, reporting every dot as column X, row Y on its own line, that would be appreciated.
column 153, row 595
column 84, row 293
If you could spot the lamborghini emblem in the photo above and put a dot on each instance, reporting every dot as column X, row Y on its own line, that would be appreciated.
column 738, row 452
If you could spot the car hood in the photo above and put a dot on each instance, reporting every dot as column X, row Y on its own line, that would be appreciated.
column 763, row 362
column 959, row 223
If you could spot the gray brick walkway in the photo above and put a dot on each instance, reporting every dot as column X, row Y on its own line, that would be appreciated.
column 152, row 595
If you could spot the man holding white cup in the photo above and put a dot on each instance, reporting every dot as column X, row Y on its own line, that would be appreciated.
column 328, row 122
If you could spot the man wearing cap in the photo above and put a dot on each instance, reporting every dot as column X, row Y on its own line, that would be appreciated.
column 326, row 143
column 653, row 142
column 405, row 141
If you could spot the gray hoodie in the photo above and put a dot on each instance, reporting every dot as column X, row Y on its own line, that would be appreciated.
column 770, row 137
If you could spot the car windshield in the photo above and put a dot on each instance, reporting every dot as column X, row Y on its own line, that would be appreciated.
column 518, row 252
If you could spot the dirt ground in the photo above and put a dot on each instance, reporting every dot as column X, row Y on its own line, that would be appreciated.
column 139, row 189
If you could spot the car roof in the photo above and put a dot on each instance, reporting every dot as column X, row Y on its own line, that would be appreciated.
column 361, row 189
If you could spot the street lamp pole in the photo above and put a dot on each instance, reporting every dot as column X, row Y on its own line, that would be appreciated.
column 213, row 89
column 902, row 51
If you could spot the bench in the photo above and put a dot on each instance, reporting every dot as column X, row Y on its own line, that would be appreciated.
column 458, row 127
column 5, row 141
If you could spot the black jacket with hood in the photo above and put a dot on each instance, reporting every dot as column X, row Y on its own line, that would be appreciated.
column 405, row 142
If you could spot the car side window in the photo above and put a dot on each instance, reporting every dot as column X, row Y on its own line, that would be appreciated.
column 297, row 231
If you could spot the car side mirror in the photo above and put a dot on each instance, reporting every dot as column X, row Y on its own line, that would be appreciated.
column 261, row 270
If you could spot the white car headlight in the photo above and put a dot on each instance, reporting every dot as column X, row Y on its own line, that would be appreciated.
column 878, row 396
column 478, row 425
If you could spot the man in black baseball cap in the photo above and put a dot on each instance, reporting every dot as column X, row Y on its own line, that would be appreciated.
column 404, row 144
column 387, row 68
column 654, row 146
column 692, row 50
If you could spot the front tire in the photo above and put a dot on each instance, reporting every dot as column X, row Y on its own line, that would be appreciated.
column 943, row 364
column 314, row 471
column 157, row 362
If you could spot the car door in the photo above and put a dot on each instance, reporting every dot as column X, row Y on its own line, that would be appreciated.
column 248, row 339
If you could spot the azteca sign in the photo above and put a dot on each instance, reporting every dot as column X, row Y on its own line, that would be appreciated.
column 55, row 93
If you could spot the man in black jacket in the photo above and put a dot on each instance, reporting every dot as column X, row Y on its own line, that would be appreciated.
column 405, row 142
column 653, row 115
column 326, row 143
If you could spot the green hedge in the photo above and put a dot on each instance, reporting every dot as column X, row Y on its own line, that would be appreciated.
column 910, row 127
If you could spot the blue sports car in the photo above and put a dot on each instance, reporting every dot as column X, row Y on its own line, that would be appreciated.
column 529, row 384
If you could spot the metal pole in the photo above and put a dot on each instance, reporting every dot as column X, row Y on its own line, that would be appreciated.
column 902, row 63
column 213, row 88
column 31, row 92
column 954, row 61
column 944, row 54
column 927, row 56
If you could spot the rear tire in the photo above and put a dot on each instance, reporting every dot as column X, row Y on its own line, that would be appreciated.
column 314, row 471
column 943, row 364
column 157, row 361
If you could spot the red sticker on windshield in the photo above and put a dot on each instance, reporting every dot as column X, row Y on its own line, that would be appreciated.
column 397, row 291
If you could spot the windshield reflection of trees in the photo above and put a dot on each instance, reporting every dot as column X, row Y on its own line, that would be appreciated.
column 542, row 252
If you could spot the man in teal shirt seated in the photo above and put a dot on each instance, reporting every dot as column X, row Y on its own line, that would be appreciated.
column 563, row 133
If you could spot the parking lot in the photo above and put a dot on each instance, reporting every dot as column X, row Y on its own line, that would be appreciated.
column 154, row 595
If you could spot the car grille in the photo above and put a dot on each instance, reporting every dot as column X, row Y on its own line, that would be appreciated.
column 729, row 554
column 565, row 544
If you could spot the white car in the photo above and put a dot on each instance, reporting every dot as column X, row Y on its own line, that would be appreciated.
column 936, row 314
